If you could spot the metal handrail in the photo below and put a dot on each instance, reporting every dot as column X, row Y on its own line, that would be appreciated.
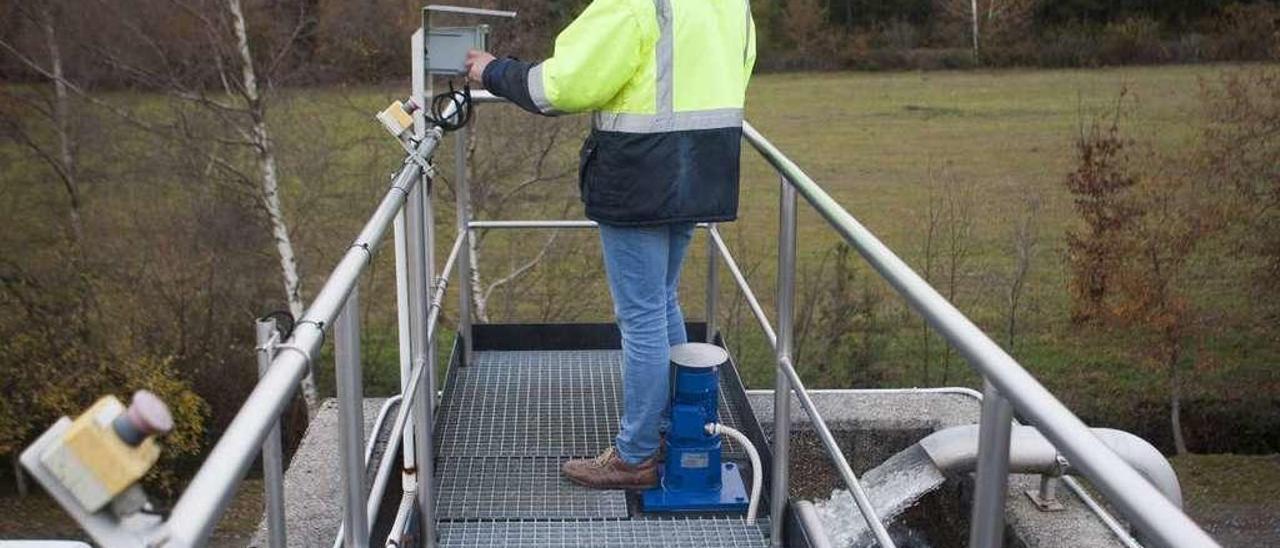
column 1157, row 518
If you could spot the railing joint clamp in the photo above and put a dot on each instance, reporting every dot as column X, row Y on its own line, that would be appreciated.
column 306, row 358
column 368, row 254
column 319, row 325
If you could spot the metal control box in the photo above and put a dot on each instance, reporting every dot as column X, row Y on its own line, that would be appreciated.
column 447, row 47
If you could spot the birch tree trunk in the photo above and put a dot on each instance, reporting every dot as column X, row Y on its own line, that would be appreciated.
column 270, row 191
column 479, row 298
column 62, row 120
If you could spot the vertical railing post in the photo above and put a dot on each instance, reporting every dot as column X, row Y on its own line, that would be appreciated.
column 419, row 297
column 404, row 332
column 713, row 285
column 404, row 304
column 272, row 452
column 420, row 245
column 346, row 344
column 423, row 357
column 986, row 529
column 782, row 384
column 462, row 190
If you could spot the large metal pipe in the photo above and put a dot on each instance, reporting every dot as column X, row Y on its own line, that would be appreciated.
column 1121, row 532
column 955, row 450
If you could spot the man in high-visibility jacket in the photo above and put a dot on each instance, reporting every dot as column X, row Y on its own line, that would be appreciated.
column 666, row 82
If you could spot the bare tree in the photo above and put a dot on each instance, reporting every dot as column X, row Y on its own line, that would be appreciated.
column 213, row 128
column 933, row 217
column 54, row 111
column 61, row 157
column 1026, row 239
column 957, row 226
column 813, row 291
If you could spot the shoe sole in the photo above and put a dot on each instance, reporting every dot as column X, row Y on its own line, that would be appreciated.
column 614, row 486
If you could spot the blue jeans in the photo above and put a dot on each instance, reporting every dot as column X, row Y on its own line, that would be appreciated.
column 643, row 266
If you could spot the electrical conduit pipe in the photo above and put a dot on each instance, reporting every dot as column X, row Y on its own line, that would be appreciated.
column 757, row 474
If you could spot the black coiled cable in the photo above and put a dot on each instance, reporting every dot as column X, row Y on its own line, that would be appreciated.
column 460, row 100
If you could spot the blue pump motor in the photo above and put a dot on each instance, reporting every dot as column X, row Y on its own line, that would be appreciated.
column 693, row 477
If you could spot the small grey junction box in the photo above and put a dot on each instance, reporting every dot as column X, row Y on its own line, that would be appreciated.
column 447, row 47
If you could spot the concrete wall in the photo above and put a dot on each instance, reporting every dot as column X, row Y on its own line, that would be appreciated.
column 313, row 481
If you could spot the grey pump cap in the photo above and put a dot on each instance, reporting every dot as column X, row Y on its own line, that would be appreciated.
column 698, row 355
column 146, row 416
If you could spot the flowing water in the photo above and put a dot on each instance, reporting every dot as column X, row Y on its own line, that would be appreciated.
column 893, row 487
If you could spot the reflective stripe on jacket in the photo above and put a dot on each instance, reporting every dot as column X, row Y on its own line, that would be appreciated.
column 666, row 81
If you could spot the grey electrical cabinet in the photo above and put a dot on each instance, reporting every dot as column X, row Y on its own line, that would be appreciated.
column 447, row 47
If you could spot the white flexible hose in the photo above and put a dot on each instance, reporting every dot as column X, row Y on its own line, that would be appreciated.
column 757, row 474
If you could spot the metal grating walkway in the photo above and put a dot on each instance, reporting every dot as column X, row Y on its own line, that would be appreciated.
column 552, row 403
column 509, row 420
column 636, row 533
column 519, row 488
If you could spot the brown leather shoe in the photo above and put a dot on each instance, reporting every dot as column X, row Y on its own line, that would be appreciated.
column 608, row 471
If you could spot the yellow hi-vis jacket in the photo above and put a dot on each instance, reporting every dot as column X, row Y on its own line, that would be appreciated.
column 666, row 81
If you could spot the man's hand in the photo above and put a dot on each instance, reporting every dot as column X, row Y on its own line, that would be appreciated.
column 477, row 61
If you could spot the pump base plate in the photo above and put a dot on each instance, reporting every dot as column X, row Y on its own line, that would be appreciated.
column 732, row 496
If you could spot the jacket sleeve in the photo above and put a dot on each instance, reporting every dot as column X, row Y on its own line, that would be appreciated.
column 508, row 78
column 751, row 46
column 594, row 58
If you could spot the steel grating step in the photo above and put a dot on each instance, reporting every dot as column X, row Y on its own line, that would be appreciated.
column 532, row 403
column 552, row 403
column 666, row 533
column 518, row 488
